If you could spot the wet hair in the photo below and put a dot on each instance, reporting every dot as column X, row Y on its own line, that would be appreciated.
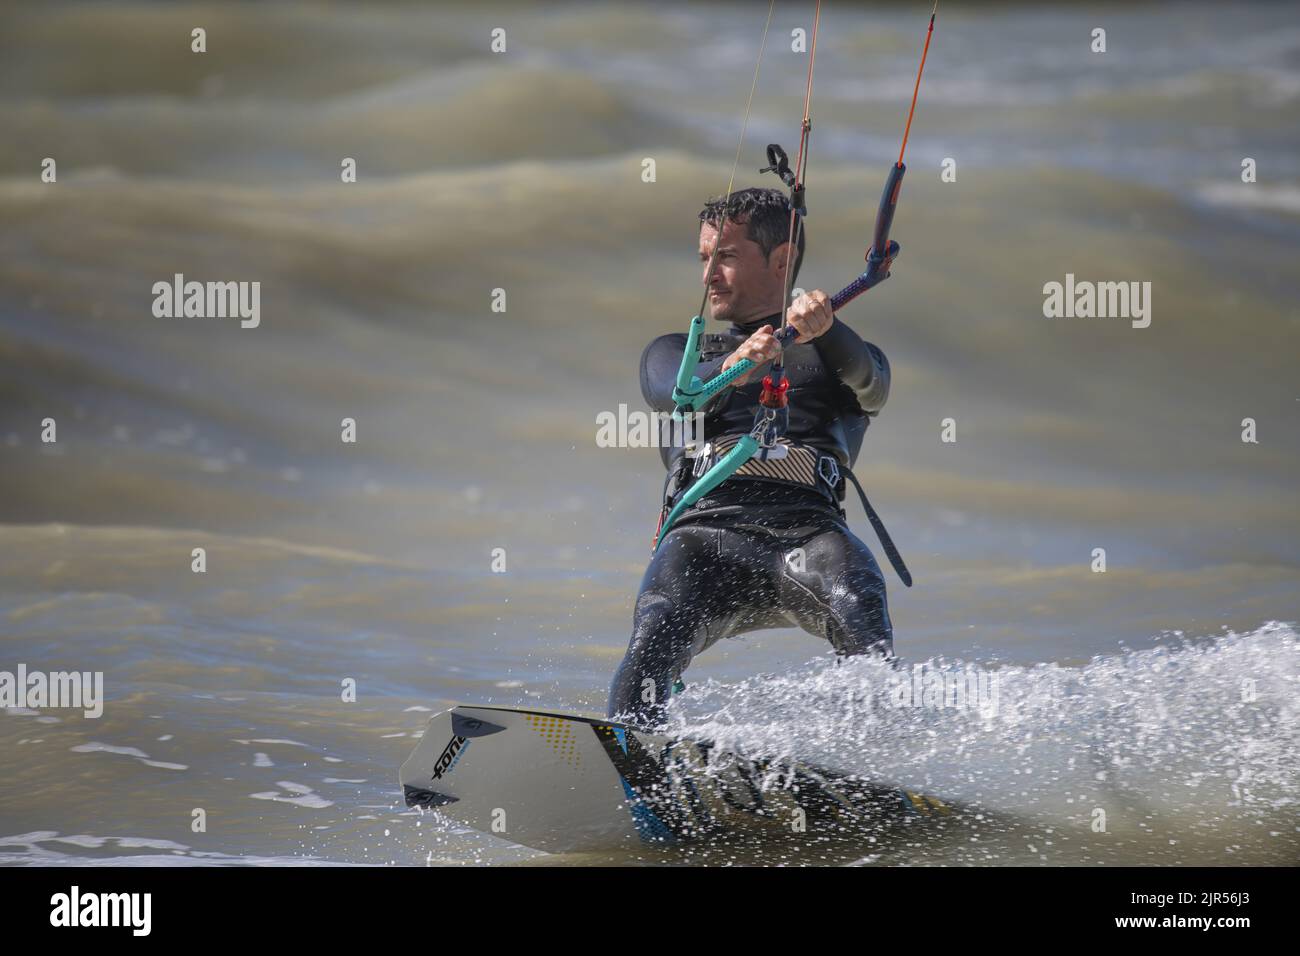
column 766, row 215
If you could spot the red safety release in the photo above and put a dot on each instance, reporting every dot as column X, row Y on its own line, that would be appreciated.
column 773, row 396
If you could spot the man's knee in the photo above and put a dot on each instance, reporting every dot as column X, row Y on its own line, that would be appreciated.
column 863, row 614
column 639, row 697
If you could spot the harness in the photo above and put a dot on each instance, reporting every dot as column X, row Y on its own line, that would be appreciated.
column 802, row 466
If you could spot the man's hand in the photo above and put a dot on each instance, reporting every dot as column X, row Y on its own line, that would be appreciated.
column 760, row 348
column 810, row 315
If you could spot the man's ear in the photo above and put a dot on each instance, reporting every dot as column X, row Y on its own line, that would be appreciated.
column 777, row 257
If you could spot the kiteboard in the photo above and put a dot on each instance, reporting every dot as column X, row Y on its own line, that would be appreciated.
column 567, row 783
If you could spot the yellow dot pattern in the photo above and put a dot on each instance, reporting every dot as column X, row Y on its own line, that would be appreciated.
column 558, row 734
column 923, row 803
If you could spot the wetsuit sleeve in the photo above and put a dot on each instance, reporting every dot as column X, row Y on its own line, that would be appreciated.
column 860, row 365
column 659, row 364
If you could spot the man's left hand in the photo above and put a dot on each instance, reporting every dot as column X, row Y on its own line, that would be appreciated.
column 810, row 315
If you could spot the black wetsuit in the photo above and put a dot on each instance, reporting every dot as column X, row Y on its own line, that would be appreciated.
column 729, row 564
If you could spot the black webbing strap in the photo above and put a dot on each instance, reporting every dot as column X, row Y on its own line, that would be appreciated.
column 886, row 541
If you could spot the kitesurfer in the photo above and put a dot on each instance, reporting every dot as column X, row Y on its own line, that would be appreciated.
column 769, row 547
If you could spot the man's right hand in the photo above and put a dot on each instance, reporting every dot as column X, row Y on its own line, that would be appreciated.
column 760, row 348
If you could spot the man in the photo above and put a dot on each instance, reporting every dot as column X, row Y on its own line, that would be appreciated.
column 761, row 550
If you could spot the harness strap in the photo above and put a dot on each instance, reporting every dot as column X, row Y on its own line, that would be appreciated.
column 886, row 541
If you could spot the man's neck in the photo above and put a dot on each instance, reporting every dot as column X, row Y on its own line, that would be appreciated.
column 753, row 325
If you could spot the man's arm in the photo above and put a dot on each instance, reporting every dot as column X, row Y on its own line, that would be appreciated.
column 659, row 365
column 860, row 365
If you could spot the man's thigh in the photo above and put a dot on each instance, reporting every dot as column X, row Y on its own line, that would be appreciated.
column 833, row 587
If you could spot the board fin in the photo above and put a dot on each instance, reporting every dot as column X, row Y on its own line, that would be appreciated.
column 420, row 797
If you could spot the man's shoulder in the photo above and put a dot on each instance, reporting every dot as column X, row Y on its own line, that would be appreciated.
column 668, row 343
column 709, row 341
column 669, row 338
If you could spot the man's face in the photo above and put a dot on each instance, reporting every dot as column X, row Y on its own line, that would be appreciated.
column 744, row 285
